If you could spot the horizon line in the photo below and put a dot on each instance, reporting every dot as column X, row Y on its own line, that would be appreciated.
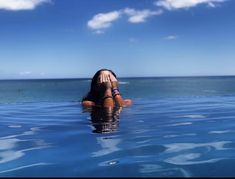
column 80, row 78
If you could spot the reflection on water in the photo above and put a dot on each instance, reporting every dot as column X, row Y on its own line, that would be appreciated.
column 182, row 158
column 177, row 147
column 105, row 120
column 189, row 159
column 158, row 169
column 108, row 146
column 13, row 148
column 26, row 166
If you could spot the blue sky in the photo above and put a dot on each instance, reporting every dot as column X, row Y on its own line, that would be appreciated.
column 75, row 38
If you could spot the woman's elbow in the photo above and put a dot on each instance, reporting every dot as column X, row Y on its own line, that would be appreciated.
column 127, row 102
column 88, row 103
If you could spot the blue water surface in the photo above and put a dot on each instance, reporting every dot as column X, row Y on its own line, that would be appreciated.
column 176, row 127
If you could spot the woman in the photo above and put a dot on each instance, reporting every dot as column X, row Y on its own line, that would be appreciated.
column 104, row 91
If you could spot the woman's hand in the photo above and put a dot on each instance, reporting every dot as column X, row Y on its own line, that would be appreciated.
column 107, row 85
column 104, row 77
column 113, row 81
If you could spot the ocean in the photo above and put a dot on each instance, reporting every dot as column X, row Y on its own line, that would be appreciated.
column 176, row 127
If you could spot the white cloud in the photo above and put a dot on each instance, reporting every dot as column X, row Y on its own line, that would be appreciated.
column 103, row 20
column 16, row 5
column 177, row 4
column 25, row 73
column 171, row 37
column 139, row 16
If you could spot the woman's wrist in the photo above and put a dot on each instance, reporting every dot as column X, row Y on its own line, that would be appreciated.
column 115, row 92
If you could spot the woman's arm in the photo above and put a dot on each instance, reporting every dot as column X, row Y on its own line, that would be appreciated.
column 120, row 102
column 108, row 98
column 88, row 104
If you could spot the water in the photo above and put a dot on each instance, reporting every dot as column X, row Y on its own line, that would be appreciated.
column 177, row 127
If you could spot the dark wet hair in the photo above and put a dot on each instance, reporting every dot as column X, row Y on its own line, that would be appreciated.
column 95, row 95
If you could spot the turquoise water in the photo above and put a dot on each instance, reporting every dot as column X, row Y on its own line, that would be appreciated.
column 177, row 127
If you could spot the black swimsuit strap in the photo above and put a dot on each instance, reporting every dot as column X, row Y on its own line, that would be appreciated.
column 105, row 97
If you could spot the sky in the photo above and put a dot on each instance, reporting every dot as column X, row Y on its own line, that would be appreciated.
column 134, row 38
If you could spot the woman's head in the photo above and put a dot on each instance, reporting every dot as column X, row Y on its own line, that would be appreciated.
column 95, row 79
column 96, row 90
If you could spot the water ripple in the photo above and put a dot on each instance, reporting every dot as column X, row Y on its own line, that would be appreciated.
column 194, row 116
column 177, row 147
column 25, row 166
column 154, row 168
column 12, row 147
column 186, row 159
column 220, row 132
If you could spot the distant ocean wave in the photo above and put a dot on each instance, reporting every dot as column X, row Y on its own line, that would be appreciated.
column 123, row 82
column 193, row 116
column 120, row 82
